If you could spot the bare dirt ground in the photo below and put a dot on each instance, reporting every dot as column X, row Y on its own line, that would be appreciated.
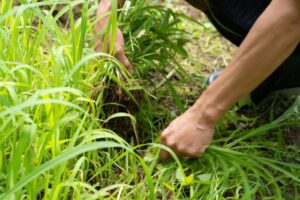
column 208, row 50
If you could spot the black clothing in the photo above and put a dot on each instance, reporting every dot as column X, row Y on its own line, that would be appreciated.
column 234, row 19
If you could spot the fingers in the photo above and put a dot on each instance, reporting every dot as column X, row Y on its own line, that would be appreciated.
column 188, row 143
column 164, row 155
column 120, row 51
column 98, row 45
column 120, row 55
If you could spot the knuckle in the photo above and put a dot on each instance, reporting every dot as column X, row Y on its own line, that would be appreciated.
column 127, row 63
column 164, row 135
column 181, row 148
column 119, row 52
column 171, row 143
column 98, row 46
column 172, row 124
column 194, row 153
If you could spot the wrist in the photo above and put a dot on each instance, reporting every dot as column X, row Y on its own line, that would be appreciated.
column 207, row 110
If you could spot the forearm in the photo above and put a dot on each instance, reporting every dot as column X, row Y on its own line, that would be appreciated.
column 272, row 39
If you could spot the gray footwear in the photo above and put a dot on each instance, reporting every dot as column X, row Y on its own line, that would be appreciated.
column 286, row 92
column 212, row 77
column 247, row 100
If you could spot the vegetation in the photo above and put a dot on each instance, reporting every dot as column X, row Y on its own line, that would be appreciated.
column 75, row 125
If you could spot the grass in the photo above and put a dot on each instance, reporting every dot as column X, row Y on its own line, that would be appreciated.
column 68, row 130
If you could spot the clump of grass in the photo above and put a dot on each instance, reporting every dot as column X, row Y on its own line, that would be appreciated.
column 55, row 142
column 51, row 132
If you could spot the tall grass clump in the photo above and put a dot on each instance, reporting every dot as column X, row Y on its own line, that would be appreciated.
column 54, row 140
column 56, row 112
column 53, row 144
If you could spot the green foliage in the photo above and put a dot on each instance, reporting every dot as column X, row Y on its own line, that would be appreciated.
column 153, row 37
column 55, row 142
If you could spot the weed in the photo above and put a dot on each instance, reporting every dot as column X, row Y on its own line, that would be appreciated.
column 57, row 113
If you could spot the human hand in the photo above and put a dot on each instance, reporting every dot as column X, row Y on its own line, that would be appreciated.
column 119, row 50
column 189, row 135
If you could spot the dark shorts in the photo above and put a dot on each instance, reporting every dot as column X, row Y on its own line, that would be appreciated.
column 234, row 19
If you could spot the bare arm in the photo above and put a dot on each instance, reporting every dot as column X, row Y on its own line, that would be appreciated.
column 271, row 40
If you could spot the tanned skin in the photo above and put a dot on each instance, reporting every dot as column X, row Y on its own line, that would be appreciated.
column 272, row 39
column 104, row 8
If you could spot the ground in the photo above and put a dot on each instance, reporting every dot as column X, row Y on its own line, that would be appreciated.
column 209, row 52
column 74, row 126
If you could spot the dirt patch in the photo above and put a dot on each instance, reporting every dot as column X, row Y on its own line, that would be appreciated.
column 116, row 102
column 269, row 110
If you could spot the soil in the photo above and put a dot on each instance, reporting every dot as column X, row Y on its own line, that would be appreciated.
column 271, row 109
column 117, row 100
